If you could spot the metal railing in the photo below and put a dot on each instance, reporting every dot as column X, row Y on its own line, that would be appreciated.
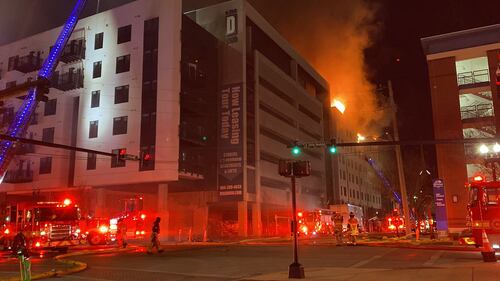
column 477, row 111
column 29, row 63
column 68, row 81
column 473, row 77
column 19, row 176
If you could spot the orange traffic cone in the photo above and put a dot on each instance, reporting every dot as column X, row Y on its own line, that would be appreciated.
column 487, row 251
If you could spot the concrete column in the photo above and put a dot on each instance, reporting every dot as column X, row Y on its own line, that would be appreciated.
column 256, row 219
column 243, row 218
column 163, row 210
column 100, row 205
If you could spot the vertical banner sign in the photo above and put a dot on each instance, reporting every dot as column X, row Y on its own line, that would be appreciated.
column 230, row 143
column 440, row 205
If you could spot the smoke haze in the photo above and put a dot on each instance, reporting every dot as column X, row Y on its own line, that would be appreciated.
column 332, row 35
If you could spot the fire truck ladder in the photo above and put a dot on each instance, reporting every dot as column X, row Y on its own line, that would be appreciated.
column 385, row 181
column 38, row 90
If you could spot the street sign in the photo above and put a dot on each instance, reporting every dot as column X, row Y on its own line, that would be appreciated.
column 440, row 205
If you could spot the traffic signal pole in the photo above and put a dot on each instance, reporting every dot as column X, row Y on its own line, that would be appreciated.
column 295, row 270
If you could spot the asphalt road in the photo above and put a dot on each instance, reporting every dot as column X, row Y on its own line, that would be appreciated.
column 240, row 262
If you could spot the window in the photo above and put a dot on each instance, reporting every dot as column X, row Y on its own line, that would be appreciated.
column 50, row 107
column 91, row 161
column 97, row 69
column 120, row 125
column 124, row 34
column 12, row 63
column 115, row 162
column 45, row 165
column 99, row 39
column 122, row 64
column 94, row 126
column 121, row 94
column 10, row 84
column 95, row 98
column 48, row 134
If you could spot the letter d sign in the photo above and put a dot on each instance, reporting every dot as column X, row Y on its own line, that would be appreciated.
column 231, row 25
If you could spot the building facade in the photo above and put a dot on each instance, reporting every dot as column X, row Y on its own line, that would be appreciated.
column 463, row 73
column 212, row 95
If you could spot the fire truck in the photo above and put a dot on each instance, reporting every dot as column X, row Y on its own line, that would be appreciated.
column 317, row 222
column 133, row 217
column 46, row 225
column 484, row 210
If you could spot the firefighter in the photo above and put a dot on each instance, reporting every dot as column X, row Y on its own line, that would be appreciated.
column 20, row 248
column 155, row 242
column 121, row 233
column 353, row 228
column 338, row 229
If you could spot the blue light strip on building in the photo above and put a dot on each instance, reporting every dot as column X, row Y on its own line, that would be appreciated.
column 20, row 123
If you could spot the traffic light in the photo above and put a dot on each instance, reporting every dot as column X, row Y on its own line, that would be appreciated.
column 122, row 154
column 332, row 149
column 332, row 146
column 146, row 158
column 296, row 149
column 119, row 158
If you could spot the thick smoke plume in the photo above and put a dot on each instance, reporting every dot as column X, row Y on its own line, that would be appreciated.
column 332, row 35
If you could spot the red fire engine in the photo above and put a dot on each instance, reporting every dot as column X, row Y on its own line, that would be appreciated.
column 46, row 225
column 317, row 222
column 133, row 217
column 484, row 210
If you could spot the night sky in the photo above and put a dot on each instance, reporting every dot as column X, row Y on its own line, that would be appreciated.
column 395, row 55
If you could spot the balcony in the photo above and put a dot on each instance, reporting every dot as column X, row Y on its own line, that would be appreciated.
column 483, row 110
column 7, row 117
column 19, row 176
column 73, row 79
column 472, row 79
column 74, row 51
column 25, row 148
column 29, row 63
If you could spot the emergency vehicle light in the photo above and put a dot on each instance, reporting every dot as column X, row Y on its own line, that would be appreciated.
column 478, row 178
column 67, row 201
column 103, row 229
column 143, row 216
column 6, row 231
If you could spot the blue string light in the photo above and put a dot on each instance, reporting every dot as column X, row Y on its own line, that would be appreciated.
column 18, row 127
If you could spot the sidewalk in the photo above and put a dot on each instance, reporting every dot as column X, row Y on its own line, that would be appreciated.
column 467, row 272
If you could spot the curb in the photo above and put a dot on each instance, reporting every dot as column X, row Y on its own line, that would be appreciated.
column 77, row 265
column 420, row 247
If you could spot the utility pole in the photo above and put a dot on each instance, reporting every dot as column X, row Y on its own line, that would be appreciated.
column 399, row 161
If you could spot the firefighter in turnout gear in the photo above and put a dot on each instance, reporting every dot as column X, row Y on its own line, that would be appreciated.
column 155, row 242
column 338, row 228
column 353, row 228
column 121, row 232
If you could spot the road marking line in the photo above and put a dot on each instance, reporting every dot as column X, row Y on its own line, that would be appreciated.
column 84, row 278
column 433, row 258
column 376, row 257
column 163, row 271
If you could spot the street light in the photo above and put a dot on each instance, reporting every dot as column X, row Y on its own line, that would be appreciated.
column 483, row 149
column 496, row 147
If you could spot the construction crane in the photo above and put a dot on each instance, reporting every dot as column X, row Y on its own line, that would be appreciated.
column 385, row 181
column 38, row 89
